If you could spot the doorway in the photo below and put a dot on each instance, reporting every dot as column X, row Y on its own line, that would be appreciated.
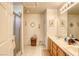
column 34, row 27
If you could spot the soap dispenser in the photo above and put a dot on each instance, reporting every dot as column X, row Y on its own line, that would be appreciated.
column 71, row 41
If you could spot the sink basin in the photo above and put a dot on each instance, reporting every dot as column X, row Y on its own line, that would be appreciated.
column 74, row 49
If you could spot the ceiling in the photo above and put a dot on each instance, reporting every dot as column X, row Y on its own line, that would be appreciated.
column 39, row 7
column 74, row 10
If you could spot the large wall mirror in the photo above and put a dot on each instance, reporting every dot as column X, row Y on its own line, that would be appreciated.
column 73, row 21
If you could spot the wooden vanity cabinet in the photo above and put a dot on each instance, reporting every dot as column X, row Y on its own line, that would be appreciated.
column 54, row 49
column 60, row 52
column 50, row 46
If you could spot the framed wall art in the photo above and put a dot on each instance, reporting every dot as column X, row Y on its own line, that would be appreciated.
column 51, row 22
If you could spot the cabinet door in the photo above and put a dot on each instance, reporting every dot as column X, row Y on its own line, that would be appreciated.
column 54, row 49
column 60, row 52
column 51, row 43
column 54, row 52
column 50, row 46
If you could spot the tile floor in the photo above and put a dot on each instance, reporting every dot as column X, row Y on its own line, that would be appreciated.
column 35, row 51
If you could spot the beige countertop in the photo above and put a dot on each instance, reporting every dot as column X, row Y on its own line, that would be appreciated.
column 71, row 50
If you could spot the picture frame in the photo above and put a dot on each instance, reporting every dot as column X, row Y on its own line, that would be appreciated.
column 51, row 22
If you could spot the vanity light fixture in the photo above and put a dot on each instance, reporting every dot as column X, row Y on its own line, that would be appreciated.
column 67, row 6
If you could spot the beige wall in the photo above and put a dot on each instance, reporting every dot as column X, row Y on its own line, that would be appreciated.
column 74, row 30
column 29, row 31
column 51, row 30
column 56, row 29
column 52, row 16
column 6, row 29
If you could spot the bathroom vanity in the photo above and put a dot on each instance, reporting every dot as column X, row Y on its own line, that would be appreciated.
column 58, row 47
column 68, row 24
column 54, row 49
